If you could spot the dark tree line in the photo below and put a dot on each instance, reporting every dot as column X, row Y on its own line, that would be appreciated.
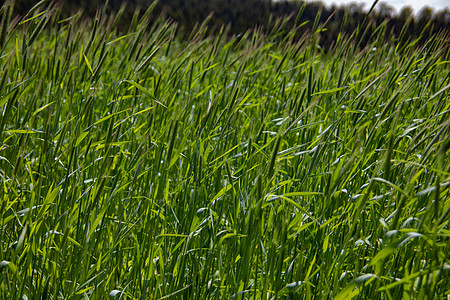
column 242, row 15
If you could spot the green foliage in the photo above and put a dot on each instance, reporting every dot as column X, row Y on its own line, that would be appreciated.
column 138, row 165
column 329, row 23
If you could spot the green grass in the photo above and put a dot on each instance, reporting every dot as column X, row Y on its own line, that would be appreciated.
column 137, row 165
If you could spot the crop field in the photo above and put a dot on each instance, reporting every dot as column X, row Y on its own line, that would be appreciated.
column 140, row 165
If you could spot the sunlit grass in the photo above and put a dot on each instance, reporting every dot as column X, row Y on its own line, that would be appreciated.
column 141, row 166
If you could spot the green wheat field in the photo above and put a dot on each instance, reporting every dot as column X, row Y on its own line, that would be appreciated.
column 138, row 164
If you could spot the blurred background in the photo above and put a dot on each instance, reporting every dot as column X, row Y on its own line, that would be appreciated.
column 416, row 5
column 421, row 17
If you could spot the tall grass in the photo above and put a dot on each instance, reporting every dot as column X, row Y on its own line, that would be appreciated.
column 137, row 165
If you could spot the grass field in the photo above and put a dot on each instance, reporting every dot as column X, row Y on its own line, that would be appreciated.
column 138, row 165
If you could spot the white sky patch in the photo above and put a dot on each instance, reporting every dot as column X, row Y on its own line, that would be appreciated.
column 417, row 5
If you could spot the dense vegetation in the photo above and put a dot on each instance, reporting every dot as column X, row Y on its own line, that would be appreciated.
column 242, row 15
column 142, row 165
